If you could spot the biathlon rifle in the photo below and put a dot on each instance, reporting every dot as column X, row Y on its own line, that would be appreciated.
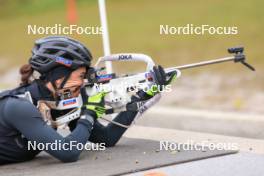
column 121, row 88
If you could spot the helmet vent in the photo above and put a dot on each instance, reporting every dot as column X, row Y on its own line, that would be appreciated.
column 61, row 45
column 50, row 51
column 67, row 56
column 43, row 60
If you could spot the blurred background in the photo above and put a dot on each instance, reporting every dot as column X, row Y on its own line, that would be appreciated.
column 134, row 27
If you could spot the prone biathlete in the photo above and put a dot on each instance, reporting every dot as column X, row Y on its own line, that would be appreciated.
column 62, row 64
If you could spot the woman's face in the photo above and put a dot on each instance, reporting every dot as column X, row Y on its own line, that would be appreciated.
column 74, row 83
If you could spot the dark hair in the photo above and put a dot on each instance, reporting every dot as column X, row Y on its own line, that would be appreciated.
column 26, row 72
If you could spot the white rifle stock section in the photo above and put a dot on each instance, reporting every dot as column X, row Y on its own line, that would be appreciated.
column 128, row 57
column 120, row 87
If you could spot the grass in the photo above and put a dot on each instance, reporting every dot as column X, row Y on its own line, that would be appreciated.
column 134, row 27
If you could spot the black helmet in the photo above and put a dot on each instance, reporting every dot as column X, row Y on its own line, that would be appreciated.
column 54, row 51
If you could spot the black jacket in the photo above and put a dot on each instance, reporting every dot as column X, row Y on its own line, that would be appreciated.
column 20, row 122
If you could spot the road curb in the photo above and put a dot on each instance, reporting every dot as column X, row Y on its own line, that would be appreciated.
column 226, row 123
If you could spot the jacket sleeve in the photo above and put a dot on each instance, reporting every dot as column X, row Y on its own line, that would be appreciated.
column 111, row 133
column 25, row 117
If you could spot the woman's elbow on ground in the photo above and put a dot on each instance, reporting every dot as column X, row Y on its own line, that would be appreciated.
column 110, row 142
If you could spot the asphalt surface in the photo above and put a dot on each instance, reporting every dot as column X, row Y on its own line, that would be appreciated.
column 129, row 156
column 137, row 153
column 242, row 164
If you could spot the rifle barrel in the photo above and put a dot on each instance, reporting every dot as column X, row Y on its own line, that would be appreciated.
column 203, row 63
